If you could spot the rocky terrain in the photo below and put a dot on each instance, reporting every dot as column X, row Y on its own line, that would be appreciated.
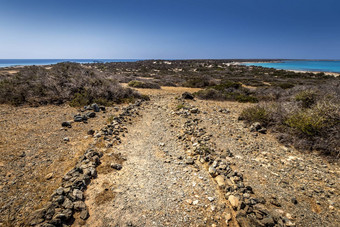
column 169, row 161
column 194, row 143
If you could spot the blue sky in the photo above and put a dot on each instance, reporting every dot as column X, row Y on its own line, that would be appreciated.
column 143, row 29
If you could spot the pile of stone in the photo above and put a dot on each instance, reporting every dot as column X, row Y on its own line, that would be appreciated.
column 257, row 127
column 92, row 110
column 112, row 131
column 69, row 198
column 250, row 210
column 223, row 110
column 187, row 111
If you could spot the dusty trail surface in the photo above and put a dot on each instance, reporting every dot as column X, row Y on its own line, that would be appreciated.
column 156, row 186
column 178, row 163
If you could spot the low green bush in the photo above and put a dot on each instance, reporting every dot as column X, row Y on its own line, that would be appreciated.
column 256, row 114
column 141, row 84
column 246, row 98
column 308, row 123
column 286, row 85
column 306, row 98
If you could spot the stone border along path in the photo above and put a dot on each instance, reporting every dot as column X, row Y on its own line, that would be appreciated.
column 69, row 198
column 248, row 210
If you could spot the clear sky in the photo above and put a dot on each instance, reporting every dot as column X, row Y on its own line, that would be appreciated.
column 170, row 29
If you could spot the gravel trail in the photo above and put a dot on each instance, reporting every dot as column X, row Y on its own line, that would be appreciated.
column 156, row 186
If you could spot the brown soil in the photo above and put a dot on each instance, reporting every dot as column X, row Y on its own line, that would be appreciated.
column 156, row 186
column 32, row 147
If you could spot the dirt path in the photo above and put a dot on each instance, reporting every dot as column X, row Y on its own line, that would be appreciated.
column 192, row 163
column 156, row 186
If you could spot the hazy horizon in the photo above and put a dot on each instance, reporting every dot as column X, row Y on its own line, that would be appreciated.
column 155, row 29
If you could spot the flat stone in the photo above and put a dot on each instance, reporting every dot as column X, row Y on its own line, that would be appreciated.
column 220, row 181
column 79, row 205
column 84, row 214
column 189, row 161
column 116, row 166
column 66, row 124
column 49, row 176
column 67, row 204
column 211, row 199
column 212, row 171
column 60, row 191
column 234, row 201
column 78, row 194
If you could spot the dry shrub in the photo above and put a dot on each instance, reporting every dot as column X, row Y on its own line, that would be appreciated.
column 257, row 113
column 198, row 82
column 314, row 128
column 141, row 84
column 227, row 90
column 64, row 82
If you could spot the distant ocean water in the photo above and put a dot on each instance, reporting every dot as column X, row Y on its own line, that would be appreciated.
column 21, row 62
column 317, row 66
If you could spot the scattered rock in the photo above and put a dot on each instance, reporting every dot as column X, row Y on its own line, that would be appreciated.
column 116, row 166
column 212, row 171
column 234, row 201
column 211, row 199
column 66, row 139
column 78, row 194
column 91, row 115
column 90, row 132
column 220, row 181
column 67, row 204
column 66, row 124
column 84, row 214
column 194, row 110
column 79, row 205
column 294, row 201
column 49, row 176
column 187, row 95
column 189, row 161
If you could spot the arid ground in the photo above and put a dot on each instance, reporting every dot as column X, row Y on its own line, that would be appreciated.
column 161, row 178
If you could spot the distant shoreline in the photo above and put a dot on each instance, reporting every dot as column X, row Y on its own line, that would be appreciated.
column 336, row 74
column 14, row 68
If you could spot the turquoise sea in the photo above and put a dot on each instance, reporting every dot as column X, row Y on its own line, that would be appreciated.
column 20, row 62
column 303, row 65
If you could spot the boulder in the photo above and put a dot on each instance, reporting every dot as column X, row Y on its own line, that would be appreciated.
column 187, row 95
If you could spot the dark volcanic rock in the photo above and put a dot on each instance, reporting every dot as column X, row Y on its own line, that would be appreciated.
column 187, row 95
column 66, row 124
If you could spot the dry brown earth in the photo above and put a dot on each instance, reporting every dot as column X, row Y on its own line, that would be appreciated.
column 158, row 186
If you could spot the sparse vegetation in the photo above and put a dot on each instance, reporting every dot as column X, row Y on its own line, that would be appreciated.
column 304, row 119
column 180, row 106
column 306, row 98
column 64, row 82
column 227, row 90
column 140, row 84
column 290, row 100
column 256, row 114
